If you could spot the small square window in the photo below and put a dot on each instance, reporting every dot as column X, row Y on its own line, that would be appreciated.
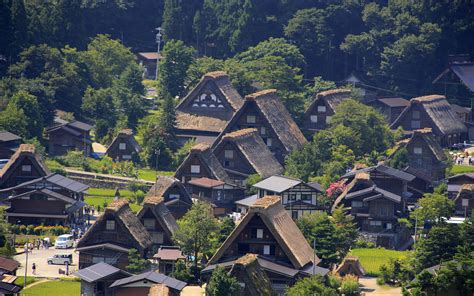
column 269, row 142
column 415, row 124
column 305, row 196
column 328, row 119
column 416, row 114
column 465, row 202
column 229, row 154
column 388, row 226
column 266, row 249
column 357, row 204
column 149, row 223
column 26, row 168
column 418, row 150
column 263, row 130
column 251, row 119
column 122, row 146
column 321, row 108
column 228, row 164
column 110, row 225
column 314, row 118
column 195, row 169
column 259, row 233
column 126, row 157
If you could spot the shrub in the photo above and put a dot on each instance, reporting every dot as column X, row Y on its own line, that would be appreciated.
column 15, row 229
column 138, row 196
column 350, row 286
column 23, row 229
column 364, row 244
column 30, row 229
column 38, row 230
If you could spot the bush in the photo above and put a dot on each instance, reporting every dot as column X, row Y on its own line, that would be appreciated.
column 30, row 229
column 38, row 230
column 350, row 286
column 15, row 229
column 138, row 197
column 363, row 244
column 137, row 186
column 22, row 229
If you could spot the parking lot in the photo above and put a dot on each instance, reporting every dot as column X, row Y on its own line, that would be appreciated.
column 40, row 258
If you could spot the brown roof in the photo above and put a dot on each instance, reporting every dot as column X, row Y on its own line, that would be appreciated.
column 25, row 150
column 247, row 270
column 204, row 120
column 206, row 182
column 350, row 265
column 162, row 214
column 426, row 134
column 282, row 227
column 149, row 55
column 436, row 107
column 124, row 215
column 251, row 145
column 277, row 116
column 332, row 97
column 9, row 265
column 126, row 134
column 169, row 253
column 157, row 192
column 394, row 102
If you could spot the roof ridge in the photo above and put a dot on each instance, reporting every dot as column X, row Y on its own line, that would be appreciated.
column 201, row 147
column 243, row 133
column 117, row 205
column 266, row 202
column 334, row 91
column 428, row 98
column 216, row 74
column 260, row 94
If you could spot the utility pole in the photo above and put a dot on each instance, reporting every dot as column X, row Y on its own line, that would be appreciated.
column 26, row 263
column 159, row 38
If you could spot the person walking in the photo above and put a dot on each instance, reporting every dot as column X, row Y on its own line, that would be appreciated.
column 33, row 266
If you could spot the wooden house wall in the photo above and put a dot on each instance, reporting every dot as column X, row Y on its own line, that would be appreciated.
column 17, row 176
column 208, row 89
column 157, row 228
column 295, row 194
column 237, row 163
column 52, row 207
column 185, row 174
column 60, row 142
column 245, row 243
column 177, row 209
column 114, row 151
column 112, row 257
column 321, row 123
column 426, row 161
column 389, row 183
column 251, row 108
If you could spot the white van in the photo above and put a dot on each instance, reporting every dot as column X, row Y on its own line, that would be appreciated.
column 64, row 241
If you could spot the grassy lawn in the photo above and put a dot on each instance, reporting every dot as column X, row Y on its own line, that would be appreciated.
column 150, row 175
column 97, row 197
column 372, row 259
column 21, row 279
column 459, row 169
column 56, row 288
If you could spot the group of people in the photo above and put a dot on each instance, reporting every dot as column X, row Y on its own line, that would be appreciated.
column 38, row 244
column 461, row 158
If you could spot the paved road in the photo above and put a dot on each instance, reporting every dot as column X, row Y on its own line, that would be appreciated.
column 370, row 288
column 43, row 269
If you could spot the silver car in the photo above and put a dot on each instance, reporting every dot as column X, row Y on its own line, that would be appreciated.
column 62, row 259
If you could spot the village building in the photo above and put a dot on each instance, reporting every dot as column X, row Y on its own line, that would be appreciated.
column 140, row 285
column 456, row 182
column 199, row 163
column 459, row 72
column 464, row 201
column 8, row 266
column 265, row 112
column 124, row 146
column 172, row 192
column 167, row 257
column 66, row 136
column 9, row 289
column 112, row 236
column 203, row 114
column 390, row 108
column 268, row 231
column 159, row 221
column 319, row 114
column 426, row 160
column 363, row 86
column 243, row 205
column 376, row 199
column 243, row 153
column 219, row 194
column 9, row 143
column 464, row 113
column 432, row 112
column 96, row 279
column 148, row 61
column 350, row 266
column 298, row 198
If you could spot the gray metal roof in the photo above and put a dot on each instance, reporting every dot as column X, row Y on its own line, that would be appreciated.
column 7, row 137
column 383, row 169
column 277, row 184
column 97, row 271
column 80, row 125
column 465, row 72
column 157, row 278
column 67, row 183
column 248, row 201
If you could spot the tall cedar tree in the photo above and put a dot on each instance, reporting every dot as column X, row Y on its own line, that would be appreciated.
column 221, row 283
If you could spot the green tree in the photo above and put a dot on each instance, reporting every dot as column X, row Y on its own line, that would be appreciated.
column 400, row 159
column 98, row 104
column 196, row 228
column 13, row 119
column 136, row 264
column 346, row 230
column 314, row 285
column 177, row 58
column 434, row 207
column 29, row 105
column 19, row 23
column 221, row 283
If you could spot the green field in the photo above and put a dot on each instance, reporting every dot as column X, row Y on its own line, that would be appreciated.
column 97, row 197
column 56, row 288
column 20, row 280
column 459, row 169
column 373, row 259
column 150, row 175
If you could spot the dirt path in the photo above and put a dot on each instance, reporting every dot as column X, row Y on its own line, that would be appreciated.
column 370, row 288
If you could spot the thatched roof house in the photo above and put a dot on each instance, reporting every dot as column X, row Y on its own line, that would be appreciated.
column 251, row 276
column 264, row 110
column 433, row 112
column 124, row 146
column 158, row 220
column 464, row 201
column 201, row 162
column 9, row 143
column 114, row 233
column 320, row 111
column 243, row 153
column 24, row 165
column 207, row 108
column 173, row 193
column 350, row 265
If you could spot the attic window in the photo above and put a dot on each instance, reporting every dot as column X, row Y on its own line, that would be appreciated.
column 418, row 150
column 110, row 225
column 465, row 202
column 269, row 142
column 321, row 108
column 415, row 124
column 416, row 114
column 251, row 119
column 195, row 169
column 26, row 168
column 220, row 106
column 259, row 233
column 314, row 118
column 328, row 119
column 229, row 154
column 122, row 146
column 263, row 130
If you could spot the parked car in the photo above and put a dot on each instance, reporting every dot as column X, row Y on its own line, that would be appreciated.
column 62, row 259
column 64, row 241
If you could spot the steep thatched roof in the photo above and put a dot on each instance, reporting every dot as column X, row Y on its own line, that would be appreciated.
column 162, row 184
column 251, row 145
column 466, row 191
column 127, row 135
column 204, row 120
column 277, row 116
column 350, row 265
column 445, row 121
column 124, row 216
column 24, row 151
column 247, row 270
column 428, row 137
column 207, row 157
column 281, row 226
column 332, row 97
column 161, row 213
